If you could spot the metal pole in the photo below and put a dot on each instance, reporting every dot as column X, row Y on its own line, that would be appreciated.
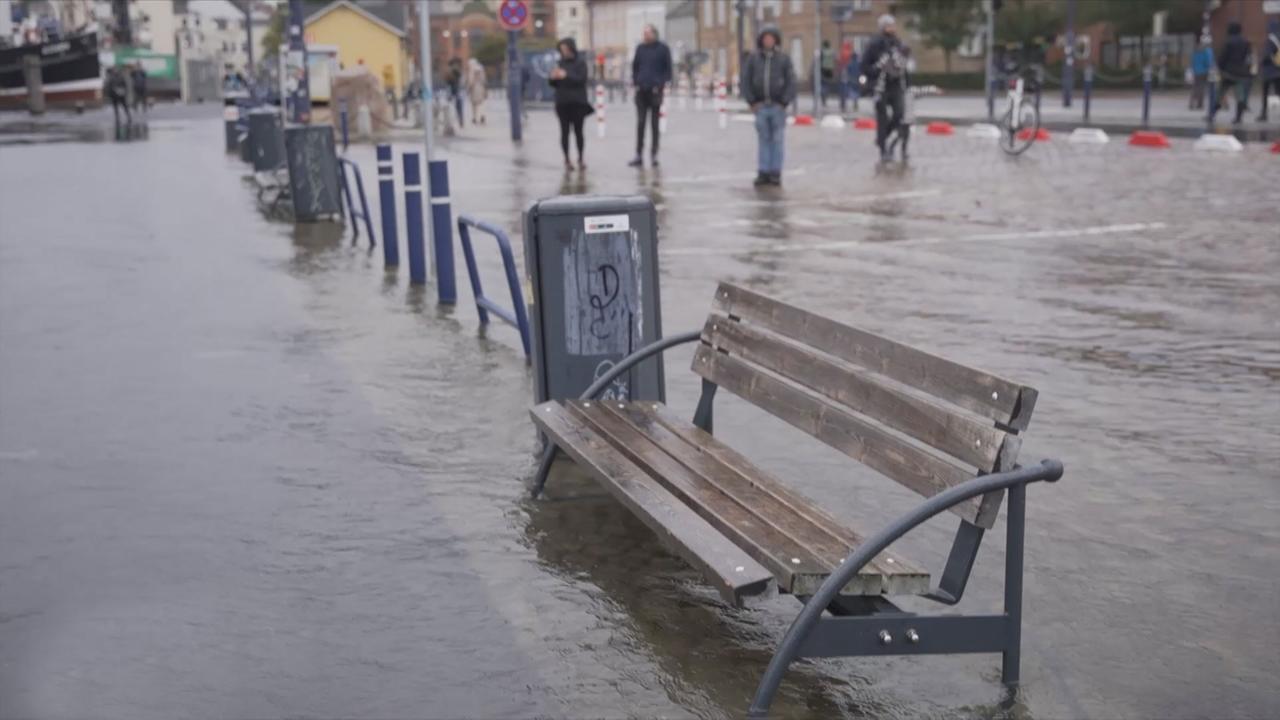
column 742, row 48
column 1069, row 57
column 387, row 197
column 299, row 100
column 1015, row 532
column 428, row 97
column 817, row 58
column 990, row 66
column 1146, row 95
column 513, row 84
column 342, row 121
column 1213, row 99
column 248, row 30
column 1088, row 88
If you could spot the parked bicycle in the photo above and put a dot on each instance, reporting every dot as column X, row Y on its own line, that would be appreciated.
column 1021, row 119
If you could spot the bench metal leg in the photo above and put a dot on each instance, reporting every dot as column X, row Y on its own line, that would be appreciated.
column 702, row 417
column 544, row 469
column 955, row 576
column 1016, row 521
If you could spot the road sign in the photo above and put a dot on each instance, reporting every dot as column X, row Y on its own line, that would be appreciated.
column 513, row 14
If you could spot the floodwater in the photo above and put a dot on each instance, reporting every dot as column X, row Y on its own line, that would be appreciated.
column 246, row 473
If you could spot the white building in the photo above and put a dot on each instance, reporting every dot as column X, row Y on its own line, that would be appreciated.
column 571, row 21
column 215, row 30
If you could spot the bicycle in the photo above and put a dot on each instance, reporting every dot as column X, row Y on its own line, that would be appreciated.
column 1021, row 119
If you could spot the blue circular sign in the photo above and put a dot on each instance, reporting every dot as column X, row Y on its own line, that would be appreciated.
column 513, row 14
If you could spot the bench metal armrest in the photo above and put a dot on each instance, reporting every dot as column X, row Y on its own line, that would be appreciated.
column 602, row 382
column 788, row 649
column 635, row 358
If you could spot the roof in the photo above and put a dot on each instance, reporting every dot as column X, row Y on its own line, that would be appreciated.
column 362, row 12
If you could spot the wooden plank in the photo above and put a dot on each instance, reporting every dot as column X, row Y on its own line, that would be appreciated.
column 1004, row 401
column 911, row 466
column 794, row 515
column 953, row 432
column 783, row 556
column 734, row 573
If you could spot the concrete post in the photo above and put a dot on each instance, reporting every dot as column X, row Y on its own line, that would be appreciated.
column 35, row 84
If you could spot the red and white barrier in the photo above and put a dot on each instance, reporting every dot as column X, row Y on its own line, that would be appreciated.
column 599, row 111
column 1149, row 138
column 722, row 104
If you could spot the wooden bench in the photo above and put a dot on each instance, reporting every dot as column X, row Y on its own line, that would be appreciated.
column 946, row 431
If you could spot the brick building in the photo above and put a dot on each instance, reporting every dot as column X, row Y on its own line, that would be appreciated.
column 458, row 27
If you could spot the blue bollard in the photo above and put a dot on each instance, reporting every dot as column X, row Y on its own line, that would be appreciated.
column 442, row 232
column 1088, row 89
column 1146, row 95
column 342, row 114
column 413, row 219
column 387, row 196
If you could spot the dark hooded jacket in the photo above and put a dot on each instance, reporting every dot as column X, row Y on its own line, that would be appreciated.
column 571, row 90
column 651, row 67
column 768, row 77
column 1270, row 70
column 881, row 46
column 1235, row 58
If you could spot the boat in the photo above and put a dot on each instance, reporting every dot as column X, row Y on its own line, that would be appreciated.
column 69, row 68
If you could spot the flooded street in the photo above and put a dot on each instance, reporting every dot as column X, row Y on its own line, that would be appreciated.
column 244, row 472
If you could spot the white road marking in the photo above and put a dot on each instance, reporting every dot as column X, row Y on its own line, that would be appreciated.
column 779, row 248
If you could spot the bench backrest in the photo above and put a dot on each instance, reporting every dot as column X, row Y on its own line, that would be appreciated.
column 924, row 421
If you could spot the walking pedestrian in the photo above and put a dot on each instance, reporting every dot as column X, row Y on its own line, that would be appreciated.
column 1235, row 62
column 138, row 77
column 769, row 86
column 1201, row 65
column 650, row 73
column 884, row 64
column 848, row 76
column 116, row 88
column 477, row 90
column 453, row 80
column 569, row 78
column 1270, row 67
column 827, row 66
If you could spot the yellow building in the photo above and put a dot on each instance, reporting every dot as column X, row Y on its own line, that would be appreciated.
column 361, row 38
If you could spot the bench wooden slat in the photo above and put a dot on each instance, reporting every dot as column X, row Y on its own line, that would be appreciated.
column 953, row 432
column 911, row 466
column 888, row 573
column 734, row 573
column 787, row 559
column 1004, row 401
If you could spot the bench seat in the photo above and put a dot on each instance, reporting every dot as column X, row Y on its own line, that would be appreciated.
column 743, row 528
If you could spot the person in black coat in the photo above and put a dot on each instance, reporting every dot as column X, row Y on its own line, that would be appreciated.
column 569, row 78
column 651, row 70
column 1235, row 61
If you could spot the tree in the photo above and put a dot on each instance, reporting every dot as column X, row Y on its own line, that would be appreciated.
column 944, row 24
column 491, row 51
column 1028, row 22
column 274, row 36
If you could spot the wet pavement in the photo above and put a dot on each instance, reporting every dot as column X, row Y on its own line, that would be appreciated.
column 246, row 473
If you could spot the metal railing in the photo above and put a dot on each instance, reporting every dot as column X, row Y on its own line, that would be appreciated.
column 351, row 208
column 517, row 316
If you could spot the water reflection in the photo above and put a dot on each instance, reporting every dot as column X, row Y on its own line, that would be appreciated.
column 711, row 655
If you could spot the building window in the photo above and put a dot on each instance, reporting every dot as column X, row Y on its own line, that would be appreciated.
column 797, row 54
column 708, row 13
column 221, row 23
column 573, row 12
column 796, row 6
column 861, row 5
column 722, row 64
column 722, row 12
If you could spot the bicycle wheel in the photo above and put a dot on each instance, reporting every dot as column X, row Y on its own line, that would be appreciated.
column 1017, row 134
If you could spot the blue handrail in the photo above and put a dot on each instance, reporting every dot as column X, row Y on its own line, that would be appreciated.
column 351, row 208
column 517, row 316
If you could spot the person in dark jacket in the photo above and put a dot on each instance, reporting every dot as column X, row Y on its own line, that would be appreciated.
column 1270, row 66
column 884, row 65
column 769, row 86
column 116, row 88
column 138, row 77
column 650, row 73
column 1235, row 62
column 569, row 78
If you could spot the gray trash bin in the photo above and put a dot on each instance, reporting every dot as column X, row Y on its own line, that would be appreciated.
column 313, row 172
column 266, row 139
column 593, row 265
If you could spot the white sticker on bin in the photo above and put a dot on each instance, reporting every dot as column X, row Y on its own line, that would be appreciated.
column 607, row 223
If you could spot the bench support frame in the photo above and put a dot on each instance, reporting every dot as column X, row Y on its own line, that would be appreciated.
column 850, row 636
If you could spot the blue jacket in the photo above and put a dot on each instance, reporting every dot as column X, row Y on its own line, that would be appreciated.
column 1202, row 61
column 651, row 68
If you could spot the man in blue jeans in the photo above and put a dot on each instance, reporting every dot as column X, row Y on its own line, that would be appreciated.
column 769, row 86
